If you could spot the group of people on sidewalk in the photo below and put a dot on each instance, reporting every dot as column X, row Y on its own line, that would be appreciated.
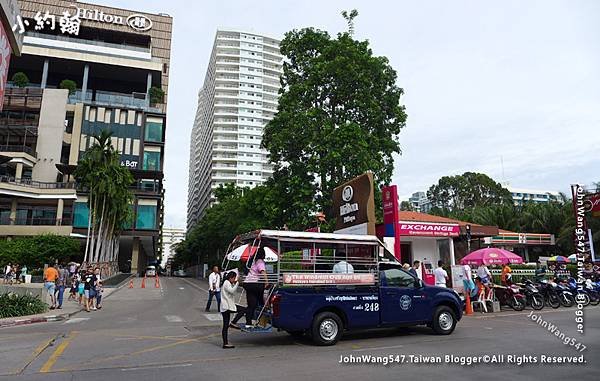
column 14, row 273
column 85, row 286
column 224, row 288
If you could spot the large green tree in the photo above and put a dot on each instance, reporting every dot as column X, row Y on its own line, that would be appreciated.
column 238, row 210
column 339, row 116
column 466, row 191
column 109, row 198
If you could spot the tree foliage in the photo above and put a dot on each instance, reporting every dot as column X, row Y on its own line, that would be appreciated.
column 466, row 191
column 238, row 210
column 339, row 116
column 38, row 250
column 553, row 217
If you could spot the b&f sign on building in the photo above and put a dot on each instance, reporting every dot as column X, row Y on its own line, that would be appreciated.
column 354, row 206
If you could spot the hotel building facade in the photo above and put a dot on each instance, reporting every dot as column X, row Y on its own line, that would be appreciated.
column 117, row 59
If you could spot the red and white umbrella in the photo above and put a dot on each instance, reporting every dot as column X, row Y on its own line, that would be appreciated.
column 490, row 256
column 246, row 251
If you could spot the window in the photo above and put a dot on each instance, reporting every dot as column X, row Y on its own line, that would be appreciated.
column 153, row 131
column 80, row 215
column 398, row 278
column 151, row 161
column 146, row 217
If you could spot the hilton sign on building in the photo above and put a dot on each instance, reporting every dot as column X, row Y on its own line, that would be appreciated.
column 136, row 21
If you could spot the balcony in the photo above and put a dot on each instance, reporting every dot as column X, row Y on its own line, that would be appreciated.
column 35, row 221
column 87, row 46
column 27, row 227
column 35, row 184
column 22, row 98
column 108, row 98
column 15, row 148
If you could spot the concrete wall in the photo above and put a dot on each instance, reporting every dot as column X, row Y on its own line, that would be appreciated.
column 50, row 134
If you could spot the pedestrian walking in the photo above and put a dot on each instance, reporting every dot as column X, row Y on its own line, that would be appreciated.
column 50, row 277
column 214, row 288
column 61, row 283
column 441, row 276
column 228, row 306
column 99, row 288
column 89, row 281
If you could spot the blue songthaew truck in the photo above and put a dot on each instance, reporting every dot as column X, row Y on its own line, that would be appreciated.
column 322, row 284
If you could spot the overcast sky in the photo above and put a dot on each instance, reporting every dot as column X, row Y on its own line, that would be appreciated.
column 517, row 80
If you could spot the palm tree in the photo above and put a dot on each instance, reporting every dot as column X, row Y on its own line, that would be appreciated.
column 100, row 173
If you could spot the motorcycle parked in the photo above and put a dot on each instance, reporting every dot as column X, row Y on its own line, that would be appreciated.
column 511, row 296
column 581, row 296
column 565, row 296
column 594, row 291
column 533, row 297
column 549, row 293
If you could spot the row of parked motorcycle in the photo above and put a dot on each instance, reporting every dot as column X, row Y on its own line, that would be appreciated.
column 553, row 293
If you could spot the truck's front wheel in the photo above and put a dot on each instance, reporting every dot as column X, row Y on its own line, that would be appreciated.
column 327, row 328
column 444, row 320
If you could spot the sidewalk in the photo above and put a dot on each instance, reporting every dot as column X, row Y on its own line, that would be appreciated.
column 68, row 309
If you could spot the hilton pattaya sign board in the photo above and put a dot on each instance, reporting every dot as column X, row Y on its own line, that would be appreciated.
column 354, row 206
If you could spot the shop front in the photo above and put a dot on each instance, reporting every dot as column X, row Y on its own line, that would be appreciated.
column 429, row 239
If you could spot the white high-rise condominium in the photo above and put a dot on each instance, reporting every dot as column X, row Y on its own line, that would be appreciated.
column 237, row 100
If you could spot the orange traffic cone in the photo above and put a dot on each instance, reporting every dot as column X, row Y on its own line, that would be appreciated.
column 144, row 282
column 131, row 283
column 468, row 307
column 156, row 282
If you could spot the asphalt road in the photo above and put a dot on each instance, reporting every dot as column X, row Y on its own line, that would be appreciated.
column 163, row 334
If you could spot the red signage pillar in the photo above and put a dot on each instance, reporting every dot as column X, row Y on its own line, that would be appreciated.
column 390, row 216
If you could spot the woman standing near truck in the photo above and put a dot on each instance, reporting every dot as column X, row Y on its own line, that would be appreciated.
column 255, row 283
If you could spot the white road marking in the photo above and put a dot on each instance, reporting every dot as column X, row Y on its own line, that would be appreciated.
column 156, row 367
column 173, row 319
column 182, row 288
column 213, row 317
column 76, row 320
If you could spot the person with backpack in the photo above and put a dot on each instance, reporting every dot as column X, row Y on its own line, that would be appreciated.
column 214, row 288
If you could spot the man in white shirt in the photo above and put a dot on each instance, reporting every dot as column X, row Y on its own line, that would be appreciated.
column 214, row 288
column 441, row 276
column 7, row 271
column 342, row 267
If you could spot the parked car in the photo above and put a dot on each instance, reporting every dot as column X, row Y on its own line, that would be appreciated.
column 180, row 273
column 151, row 271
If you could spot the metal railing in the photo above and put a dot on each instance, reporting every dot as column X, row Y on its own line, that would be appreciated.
column 35, row 221
column 17, row 148
column 35, row 184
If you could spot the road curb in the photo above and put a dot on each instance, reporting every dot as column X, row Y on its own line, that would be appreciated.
column 43, row 319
